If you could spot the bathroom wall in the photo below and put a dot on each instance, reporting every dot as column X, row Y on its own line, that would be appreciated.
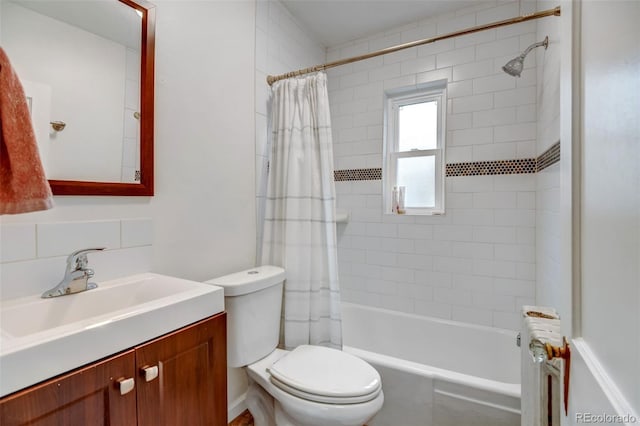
column 475, row 263
column 204, row 203
column 548, row 258
column 203, row 213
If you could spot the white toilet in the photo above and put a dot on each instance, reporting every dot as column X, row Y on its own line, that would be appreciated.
column 309, row 386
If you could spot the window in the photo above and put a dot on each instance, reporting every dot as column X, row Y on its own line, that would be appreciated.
column 414, row 147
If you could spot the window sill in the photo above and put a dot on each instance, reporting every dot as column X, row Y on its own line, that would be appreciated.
column 413, row 212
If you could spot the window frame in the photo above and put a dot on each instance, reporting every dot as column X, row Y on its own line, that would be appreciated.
column 393, row 100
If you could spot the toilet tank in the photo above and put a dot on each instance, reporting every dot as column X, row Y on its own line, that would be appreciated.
column 252, row 299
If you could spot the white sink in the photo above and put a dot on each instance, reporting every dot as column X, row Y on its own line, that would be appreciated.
column 40, row 338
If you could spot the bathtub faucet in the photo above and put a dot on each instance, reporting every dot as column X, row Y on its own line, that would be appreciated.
column 76, row 276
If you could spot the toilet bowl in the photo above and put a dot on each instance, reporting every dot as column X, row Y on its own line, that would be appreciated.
column 308, row 386
column 312, row 407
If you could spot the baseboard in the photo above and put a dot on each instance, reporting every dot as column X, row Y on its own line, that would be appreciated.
column 236, row 407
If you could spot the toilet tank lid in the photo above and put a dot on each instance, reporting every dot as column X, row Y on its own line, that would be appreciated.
column 249, row 281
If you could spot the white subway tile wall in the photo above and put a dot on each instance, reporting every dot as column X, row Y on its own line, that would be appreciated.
column 476, row 263
column 33, row 256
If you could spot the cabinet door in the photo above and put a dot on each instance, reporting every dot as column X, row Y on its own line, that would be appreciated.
column 191, row 383
column 87, row 396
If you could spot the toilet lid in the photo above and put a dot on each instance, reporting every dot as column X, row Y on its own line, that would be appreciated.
column 315, row 371
column 325, row 399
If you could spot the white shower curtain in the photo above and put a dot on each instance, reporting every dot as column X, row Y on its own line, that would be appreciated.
column 299, row 230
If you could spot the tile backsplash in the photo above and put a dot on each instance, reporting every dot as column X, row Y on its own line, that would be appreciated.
column 33, row 255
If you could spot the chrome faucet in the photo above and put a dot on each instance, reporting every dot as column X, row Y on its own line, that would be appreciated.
column 76, row 277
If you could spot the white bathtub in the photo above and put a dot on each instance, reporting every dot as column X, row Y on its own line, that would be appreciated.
column 436, row 372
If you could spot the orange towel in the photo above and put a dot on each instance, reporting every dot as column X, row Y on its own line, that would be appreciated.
column 23, row 185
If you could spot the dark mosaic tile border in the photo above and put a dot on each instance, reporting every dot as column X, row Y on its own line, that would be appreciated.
column 501, row 167
column 476, row 168
column 357, row 174
column 549, row 157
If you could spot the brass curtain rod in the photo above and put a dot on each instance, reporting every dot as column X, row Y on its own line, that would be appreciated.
column 518, row 19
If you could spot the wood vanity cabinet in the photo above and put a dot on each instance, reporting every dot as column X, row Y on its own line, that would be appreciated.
column 87, row 396
column 189, row 386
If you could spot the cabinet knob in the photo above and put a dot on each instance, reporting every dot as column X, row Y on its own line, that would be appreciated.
column 126, row 385
column 149, row 373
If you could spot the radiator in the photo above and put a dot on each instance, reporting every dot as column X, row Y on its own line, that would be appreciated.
column 541, row 378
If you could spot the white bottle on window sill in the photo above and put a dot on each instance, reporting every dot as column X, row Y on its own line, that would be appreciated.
column 401, row 193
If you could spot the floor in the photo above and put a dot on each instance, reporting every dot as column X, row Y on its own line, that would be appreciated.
column 244, row 419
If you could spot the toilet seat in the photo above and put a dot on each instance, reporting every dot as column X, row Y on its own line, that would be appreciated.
column 326, row 376
column 323, row 399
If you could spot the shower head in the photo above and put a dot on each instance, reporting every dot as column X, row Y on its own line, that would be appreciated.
column 514, row 67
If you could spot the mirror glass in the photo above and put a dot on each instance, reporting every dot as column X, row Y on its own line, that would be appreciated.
column 80, row 64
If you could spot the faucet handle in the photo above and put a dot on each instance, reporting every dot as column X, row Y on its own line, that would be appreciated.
column 78, row 259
